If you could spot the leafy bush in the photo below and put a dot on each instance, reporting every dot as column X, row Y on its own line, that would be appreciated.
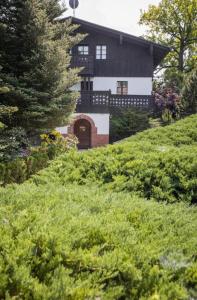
column 189, row 91
column 168, row 103
column 81, row 243
column 54, row 143
column 20, row 169
column 128, row 122
column 156, row 164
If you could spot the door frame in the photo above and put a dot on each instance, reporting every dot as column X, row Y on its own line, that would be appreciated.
column 88, row 127
column 94, row 130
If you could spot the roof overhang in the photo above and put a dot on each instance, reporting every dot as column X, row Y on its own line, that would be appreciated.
column 157, row 50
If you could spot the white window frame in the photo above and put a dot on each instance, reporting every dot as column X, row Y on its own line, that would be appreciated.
column 101, row 52
column 83, row 50
column 122, row 87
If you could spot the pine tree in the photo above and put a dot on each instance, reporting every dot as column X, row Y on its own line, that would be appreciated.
column 34, row 55
column 11, row 140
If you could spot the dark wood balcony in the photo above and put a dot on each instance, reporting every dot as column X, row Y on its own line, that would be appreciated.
column 83, row 61
column 105, row 102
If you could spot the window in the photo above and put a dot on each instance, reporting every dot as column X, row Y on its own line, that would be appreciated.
column 101, row 52
column 82, row 128
column 86, row 85
column 122, row 87
column 83, row 50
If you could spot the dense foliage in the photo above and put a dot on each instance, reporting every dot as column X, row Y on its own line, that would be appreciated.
column 168, row 104
column 78, row 243
column 189, row 91
column 11, row 140
column 173, row 23
column 67, row 233
column 34, row 159
column 35, row 61
column 128, row 122
column 156, row 164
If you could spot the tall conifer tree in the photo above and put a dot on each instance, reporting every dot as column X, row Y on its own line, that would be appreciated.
column 34, row 55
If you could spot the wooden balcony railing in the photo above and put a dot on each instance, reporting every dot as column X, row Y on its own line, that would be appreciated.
column 104, row 101
column 85, row 61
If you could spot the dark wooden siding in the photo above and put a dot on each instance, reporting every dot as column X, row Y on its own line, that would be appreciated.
column 123, row 60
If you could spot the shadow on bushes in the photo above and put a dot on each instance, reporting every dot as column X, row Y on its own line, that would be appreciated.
column 21, row 169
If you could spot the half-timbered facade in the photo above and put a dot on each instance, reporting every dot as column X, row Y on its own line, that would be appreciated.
column 117, row 72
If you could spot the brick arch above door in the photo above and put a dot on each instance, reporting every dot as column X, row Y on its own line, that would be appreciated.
column 94, row 129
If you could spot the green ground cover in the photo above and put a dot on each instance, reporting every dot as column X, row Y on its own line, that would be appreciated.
column 158, row 164
column 83, row 228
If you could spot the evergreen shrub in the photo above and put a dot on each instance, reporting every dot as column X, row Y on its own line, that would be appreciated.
column 81, row 228
column 80, row 243
column 127, row 122
column 158, row 164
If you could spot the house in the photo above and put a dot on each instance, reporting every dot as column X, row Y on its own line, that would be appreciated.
column 117, row 72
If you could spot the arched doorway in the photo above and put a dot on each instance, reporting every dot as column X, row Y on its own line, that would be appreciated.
column 82, row 130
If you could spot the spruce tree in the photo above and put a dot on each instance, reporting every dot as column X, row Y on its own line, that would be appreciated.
column 34, row 55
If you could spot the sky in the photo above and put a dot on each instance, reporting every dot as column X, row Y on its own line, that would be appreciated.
column 122, row 15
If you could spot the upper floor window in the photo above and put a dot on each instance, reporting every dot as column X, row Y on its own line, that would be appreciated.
column 101, row 52
column 83, row 50
column 122, row 87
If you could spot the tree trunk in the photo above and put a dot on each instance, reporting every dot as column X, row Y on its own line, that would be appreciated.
column 181, row 58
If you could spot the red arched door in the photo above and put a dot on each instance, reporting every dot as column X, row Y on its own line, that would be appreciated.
column 82, row 130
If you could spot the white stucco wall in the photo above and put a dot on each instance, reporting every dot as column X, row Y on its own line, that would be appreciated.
column 76, row 87
column 62, row 130
column 136, row 85
column 101, row 121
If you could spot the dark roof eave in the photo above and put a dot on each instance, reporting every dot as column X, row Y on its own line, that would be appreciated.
column 130, row 37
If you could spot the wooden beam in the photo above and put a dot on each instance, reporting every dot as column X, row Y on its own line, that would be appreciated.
column 121, row 39
column 151, row 49
column 88, row 83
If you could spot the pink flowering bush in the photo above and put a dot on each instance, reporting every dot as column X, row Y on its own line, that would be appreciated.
column 168, row 103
